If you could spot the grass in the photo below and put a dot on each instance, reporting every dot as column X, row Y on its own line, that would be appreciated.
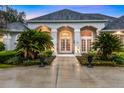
column 6, row 66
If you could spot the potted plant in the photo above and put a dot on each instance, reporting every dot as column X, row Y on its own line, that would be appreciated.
column 90, row 59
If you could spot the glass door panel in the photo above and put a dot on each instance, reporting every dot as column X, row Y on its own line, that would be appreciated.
column 67, row 44
column 83, row 45
column 86, row 45
column 62, row 44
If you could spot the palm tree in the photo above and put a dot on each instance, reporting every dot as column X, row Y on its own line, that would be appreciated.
column 32, row 42
column 106, row 43
column 43, row 40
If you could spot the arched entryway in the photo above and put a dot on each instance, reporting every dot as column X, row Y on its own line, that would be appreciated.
column 88, row 34
column 65, row 39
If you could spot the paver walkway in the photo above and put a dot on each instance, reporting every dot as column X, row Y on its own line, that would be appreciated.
column 67, row 72
column 64, row 72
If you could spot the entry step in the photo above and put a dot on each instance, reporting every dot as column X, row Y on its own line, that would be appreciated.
column 69, row 55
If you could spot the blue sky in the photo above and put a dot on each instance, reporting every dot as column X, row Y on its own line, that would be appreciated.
column 38, row 10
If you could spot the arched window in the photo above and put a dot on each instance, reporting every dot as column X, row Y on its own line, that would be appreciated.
column 87, row 35
column 44, row 29
column 65, row 39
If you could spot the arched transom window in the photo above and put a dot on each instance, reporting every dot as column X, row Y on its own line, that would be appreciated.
column 65, row 34
column 86, row 33
column 44, row 29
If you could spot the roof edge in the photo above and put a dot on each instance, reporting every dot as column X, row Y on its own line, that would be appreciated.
column 55, row 21
column 110, row 30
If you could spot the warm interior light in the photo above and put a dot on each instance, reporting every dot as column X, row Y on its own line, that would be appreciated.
column 118, row 33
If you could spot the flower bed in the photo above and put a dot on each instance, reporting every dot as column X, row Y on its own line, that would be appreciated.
column 10, row 58
column 83, row 61
column 48, row 61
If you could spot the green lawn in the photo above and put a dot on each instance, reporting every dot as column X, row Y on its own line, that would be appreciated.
column 6, row 66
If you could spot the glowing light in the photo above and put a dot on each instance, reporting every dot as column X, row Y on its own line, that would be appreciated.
column 118, row 33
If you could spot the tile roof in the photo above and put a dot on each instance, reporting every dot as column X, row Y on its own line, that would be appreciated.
column 16, row 26
column 67, row 14
column 115, row 24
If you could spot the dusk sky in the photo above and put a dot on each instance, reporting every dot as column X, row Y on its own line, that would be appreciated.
column 38, row 10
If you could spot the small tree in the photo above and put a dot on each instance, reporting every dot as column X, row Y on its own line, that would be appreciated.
column 106, row 43
column 31, row 43
column 12, row 15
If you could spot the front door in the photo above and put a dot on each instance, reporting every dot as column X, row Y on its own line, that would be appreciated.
column 65, row 42
column 65, row 46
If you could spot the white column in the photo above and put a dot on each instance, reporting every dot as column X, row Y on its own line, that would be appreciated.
column 77, row 42
column 7, row 41
column 54, row 39
column 97, row 32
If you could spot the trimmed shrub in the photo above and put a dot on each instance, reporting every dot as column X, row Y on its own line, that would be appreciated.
column 47, row 61
column 31, row 62
column 92, row 52
column 6, row 66
column 122, row 50
column 2, row 46
column 48, row 53
column 118, row 57
column 14, row 61
column 96, row 60
column 83, row 61
column 5, row 55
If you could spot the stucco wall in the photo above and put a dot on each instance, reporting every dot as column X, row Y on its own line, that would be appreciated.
column 11, row 43
column 75, row 26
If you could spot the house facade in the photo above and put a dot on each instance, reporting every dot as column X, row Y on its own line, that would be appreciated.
column 72, row 32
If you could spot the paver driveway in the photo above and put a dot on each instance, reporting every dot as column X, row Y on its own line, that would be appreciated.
column 64, row 72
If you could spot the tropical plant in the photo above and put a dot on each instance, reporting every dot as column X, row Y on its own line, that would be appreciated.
column 106, row 43
column 2, row 47
column 32, row 42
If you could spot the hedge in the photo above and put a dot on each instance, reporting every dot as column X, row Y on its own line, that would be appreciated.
column 37, row 61
column 83, row 61
column 6, row 66
column 5, row 55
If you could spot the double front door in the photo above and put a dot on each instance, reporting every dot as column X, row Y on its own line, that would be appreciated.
column 66, row 45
